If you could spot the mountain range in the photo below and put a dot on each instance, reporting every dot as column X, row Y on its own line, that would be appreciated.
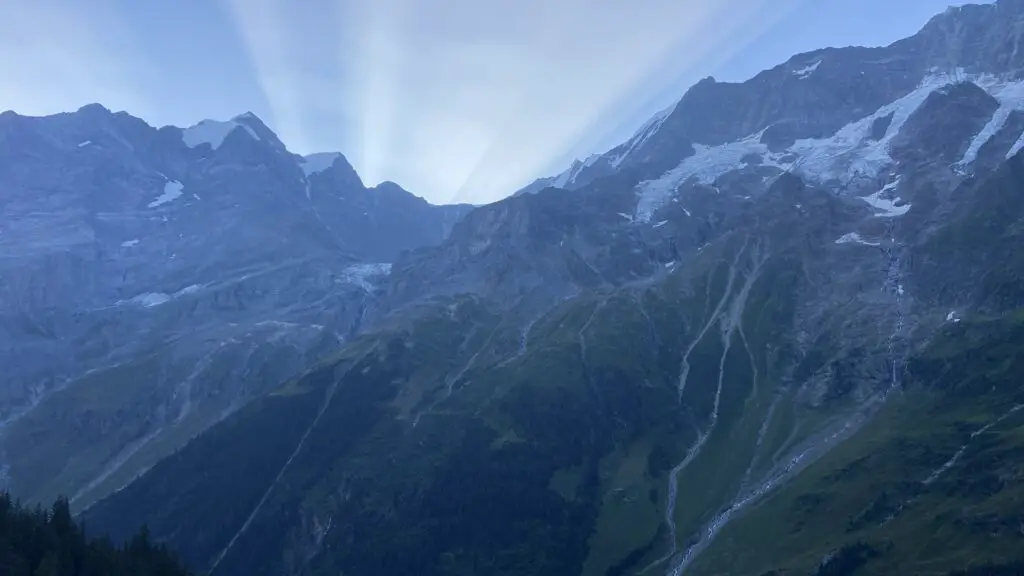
column 777, row 331
column 154, row 280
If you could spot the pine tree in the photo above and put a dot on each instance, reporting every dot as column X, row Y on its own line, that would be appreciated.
column 40, row 542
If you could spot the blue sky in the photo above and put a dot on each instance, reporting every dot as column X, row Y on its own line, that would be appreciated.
column 454, row 99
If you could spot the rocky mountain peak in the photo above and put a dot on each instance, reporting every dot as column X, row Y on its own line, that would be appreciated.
column 941, row 129
column 332, row 167
column 783, row 306
column 979, row 38
column 816, row 94
column 208, row 261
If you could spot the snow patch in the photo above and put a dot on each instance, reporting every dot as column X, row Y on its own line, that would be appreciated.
column 886, row 202
column 362, row 274
column 212, row 132
column 854, row 238
column 706, row 164
column 191, row 289
column 660, row 224
column 569, row 175
column 806, row 71
column 643, row 134
column 130, row 243
column 628, row 217
column 150, row 299
column 172, row 191
column 1017, row 146
column 850, row 151
column 1011, row 98
column 318, row 162
column 848, row 154
column 83, row 144
column 953, row 317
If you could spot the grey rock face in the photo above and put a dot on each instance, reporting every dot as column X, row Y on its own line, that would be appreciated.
column 816, row 224
column 206, row 246
column 814, row 95
column 881, row 143
column 941, row 129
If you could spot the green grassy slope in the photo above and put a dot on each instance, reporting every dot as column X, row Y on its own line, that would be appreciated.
column 629, row 423
column 553, row 461
column 898, row 486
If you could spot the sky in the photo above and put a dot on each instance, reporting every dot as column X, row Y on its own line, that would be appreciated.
column 456, row 100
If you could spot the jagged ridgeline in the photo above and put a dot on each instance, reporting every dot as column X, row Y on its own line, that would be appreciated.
column 779, row 331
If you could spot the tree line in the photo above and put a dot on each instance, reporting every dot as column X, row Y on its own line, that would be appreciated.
column 49, row 542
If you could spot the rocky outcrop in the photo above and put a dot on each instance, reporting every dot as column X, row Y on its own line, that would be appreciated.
column 170, row 275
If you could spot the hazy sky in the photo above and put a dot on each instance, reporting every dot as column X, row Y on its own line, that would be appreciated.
column 453, row 99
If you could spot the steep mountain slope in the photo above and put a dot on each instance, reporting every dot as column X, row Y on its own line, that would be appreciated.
column 152, row 281
column 825, row 114
column 933, row 483
column 446, row 443
column 792, row 301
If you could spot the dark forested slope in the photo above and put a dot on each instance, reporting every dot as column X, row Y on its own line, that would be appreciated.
column 38, row 542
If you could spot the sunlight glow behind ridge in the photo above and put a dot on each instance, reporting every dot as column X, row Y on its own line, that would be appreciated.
column 379, row 60
column 673, row 41
column 457, row 100
column 467, row 101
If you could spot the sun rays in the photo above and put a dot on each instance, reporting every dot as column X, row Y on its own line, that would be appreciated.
column 457, row 100
column 467, row 101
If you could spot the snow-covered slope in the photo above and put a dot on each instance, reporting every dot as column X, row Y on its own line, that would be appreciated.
column 787, row 119
column 213, row 133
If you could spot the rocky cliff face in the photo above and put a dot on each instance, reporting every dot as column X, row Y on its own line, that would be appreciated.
column 781, row 300
column 153, row 280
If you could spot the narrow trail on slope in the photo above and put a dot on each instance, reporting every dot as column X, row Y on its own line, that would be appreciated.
column 761, row 433
column 753, row 360
column 183, row 390
column 774, row 479
column 755, row 392
column 450, row 380
column 963, row 448
column 580, row 335
column 953, row 460
column 651, row 327
column 524, row 332
column 280, row 474
column 582, row 339
column 119, row 460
